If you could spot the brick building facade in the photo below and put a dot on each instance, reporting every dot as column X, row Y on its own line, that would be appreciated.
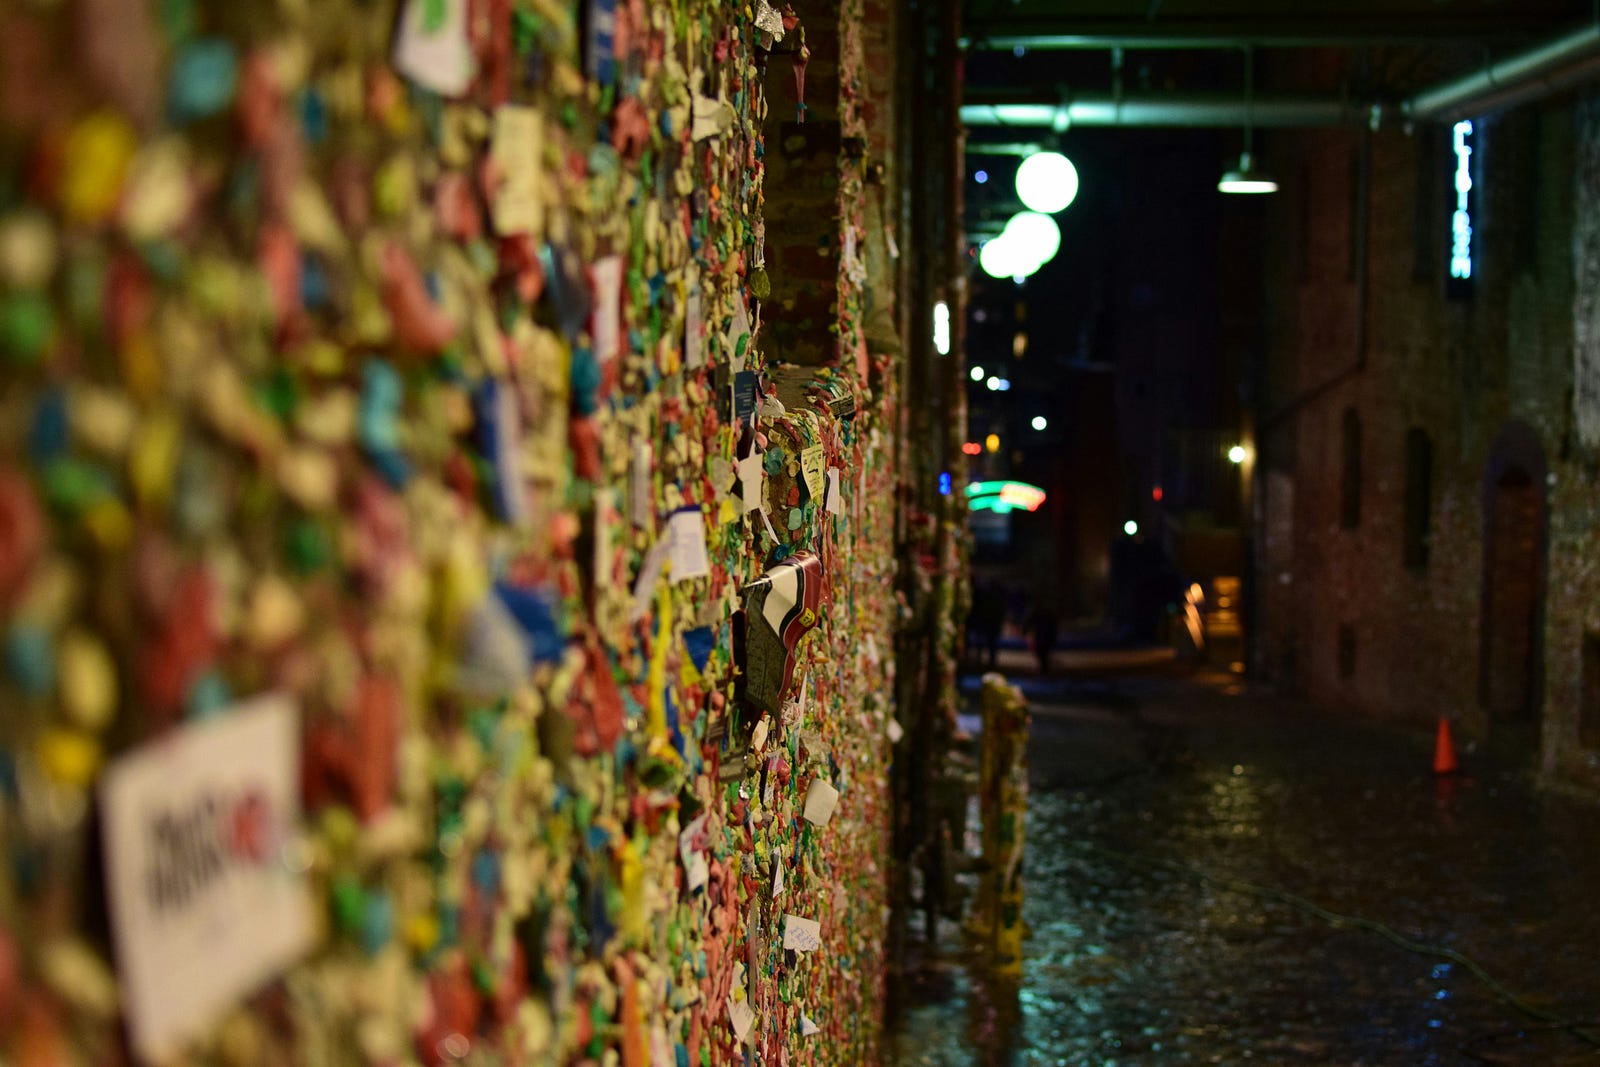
column 1425, row 492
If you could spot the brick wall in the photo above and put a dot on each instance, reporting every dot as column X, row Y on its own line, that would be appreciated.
column 1477, row 375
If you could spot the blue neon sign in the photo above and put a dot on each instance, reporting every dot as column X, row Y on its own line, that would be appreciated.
column 1461, row 219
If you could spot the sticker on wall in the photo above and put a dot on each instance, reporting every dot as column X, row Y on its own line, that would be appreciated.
column 518, row 144
column 203, row 907
column 602, row 45
column 432, row 47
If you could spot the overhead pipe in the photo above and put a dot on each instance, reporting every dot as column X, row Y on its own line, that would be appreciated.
column 1169, row 109
column 1529, row 75
column 996, row 148
column 1538, row 72
column 1338, row 32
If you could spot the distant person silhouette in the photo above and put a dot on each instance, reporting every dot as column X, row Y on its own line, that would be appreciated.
column 1042, row 624
column 988, row 618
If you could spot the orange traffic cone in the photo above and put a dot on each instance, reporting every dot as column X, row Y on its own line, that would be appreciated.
column 1444, row 752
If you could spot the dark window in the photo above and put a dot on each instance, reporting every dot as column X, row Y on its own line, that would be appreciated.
column 1419, row 497
column 1589, row 711
column 1350, row 473
column 1347, row 651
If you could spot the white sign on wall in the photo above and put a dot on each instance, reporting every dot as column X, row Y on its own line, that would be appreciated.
column 204, row 908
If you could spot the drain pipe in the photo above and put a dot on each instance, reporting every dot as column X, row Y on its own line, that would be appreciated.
column 1358, row 355
column 1549, row 68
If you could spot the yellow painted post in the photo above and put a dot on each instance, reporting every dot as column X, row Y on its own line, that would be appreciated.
column 1003, row 804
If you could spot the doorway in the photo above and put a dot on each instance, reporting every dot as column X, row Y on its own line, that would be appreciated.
column 1513, row 579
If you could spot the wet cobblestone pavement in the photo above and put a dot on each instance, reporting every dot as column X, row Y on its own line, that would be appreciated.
column 1164, row 816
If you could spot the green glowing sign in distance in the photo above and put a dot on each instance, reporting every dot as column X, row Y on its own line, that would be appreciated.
column 1002, row 497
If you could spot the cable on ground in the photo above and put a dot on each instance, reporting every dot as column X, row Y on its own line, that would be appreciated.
column 1466, row 1047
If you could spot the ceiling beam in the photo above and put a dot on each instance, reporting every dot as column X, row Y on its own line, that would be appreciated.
column 1058, row 32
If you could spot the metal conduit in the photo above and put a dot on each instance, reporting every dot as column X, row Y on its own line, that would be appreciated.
column 1177, row 109
column 1042, row 34
column 1538, row 72
column 1008, row 148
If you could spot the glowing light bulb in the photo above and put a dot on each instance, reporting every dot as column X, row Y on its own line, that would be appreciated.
column 1002, row 258
column 1035, row 237
column 1047, row 182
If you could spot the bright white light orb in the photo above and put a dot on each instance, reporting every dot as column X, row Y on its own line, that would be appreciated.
column 1130, row 527
column 993, row 384
column 1047, row 182
column 998, row 258
column 976, row 373
column 1040, row 422
column 1236, row 454
column 1036, row 238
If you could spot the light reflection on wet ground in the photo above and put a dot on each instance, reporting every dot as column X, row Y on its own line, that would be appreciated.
column 1136, row 958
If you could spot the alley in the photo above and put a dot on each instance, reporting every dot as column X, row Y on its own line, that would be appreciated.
column 1190, row 850
column 501, row 500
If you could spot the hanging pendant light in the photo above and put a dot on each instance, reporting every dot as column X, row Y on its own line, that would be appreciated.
column 1246, row 178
